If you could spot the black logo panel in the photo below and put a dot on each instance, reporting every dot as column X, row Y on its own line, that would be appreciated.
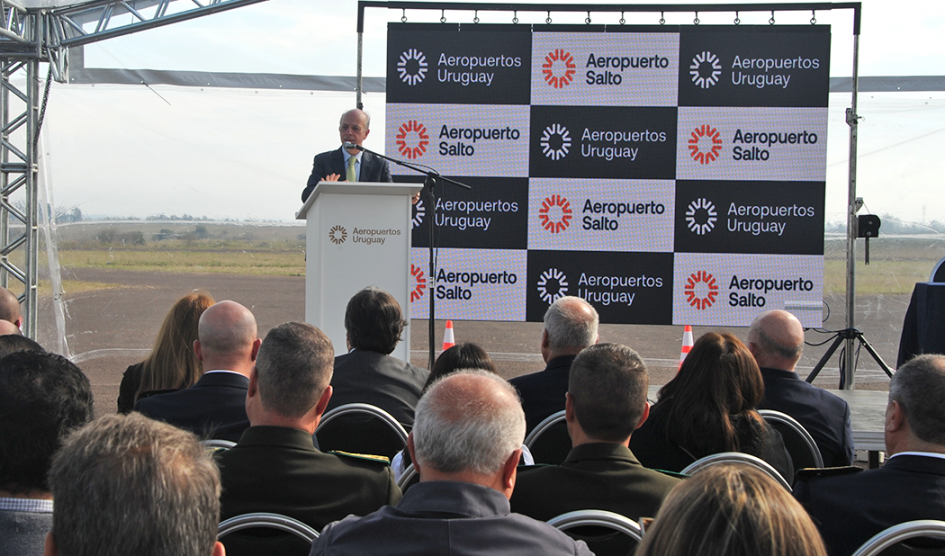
column 778, row 218
column 446, row 64
column 755, row 66
column 603, row 142
column 625, row 288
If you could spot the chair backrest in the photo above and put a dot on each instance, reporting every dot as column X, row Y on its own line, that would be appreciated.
column 217, row 444
column 736, row 457
column 799, row 443
column 362, row 429
column 549, row 442
column 266, row 533
column 606, row 533
column 408, row 478
column 890, row 541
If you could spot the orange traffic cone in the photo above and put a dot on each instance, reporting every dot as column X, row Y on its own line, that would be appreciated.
column 686, row 344
column 448, row 340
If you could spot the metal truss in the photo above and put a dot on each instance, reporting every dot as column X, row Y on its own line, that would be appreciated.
column 28, row 37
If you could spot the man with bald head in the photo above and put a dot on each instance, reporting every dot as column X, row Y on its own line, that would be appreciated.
column 465, row 444
column 216, row 405
column 348, row 164
column 10, row 308
column 776, row 339
column 570, row 326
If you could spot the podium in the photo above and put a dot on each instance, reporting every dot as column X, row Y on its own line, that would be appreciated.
column 357, row 235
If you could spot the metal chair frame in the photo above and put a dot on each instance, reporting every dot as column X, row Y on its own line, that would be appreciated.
column 217, row 443
column 736, row 457
column 269, row 520
column 897, row 533
column 367, row 409
column 546, row 424
column 772, row 416
column 598, row 518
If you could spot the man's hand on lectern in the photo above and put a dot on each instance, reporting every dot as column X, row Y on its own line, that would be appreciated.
column 332, row 177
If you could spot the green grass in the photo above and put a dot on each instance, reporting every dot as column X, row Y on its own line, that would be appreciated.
column 255, row 262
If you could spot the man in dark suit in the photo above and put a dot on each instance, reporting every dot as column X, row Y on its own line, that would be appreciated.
column 606, row 402
column 570, row 326
column 275, row 467
column 368, row 374
column 355, row 126
column 216, row 405
column 776, row 339
column 850, row 508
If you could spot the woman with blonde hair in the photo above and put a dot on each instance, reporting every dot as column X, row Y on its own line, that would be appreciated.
column 171, row 365
column 731, row 510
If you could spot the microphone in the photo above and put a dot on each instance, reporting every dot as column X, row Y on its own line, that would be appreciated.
column 349, row 146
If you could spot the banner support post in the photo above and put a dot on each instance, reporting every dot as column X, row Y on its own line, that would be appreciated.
column 849, row 355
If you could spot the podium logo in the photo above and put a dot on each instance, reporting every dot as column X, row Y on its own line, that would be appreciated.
column 552, row 284
column 701, row 290
column 412, row 67
column 419, row 211
column 705, row 144
column 705, row 69
column 559, row 68
column 556, row 141
column 412, row 139
column 555, row 214
column 419, row 283
column 701, row 216
column 338, row 235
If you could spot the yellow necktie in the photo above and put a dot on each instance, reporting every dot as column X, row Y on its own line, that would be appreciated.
column 350, row 175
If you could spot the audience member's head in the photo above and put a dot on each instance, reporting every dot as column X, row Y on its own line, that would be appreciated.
column 469, row 427
column 734, row 510
column 711, row 401
column 226, row 338
column 14, row 343
column 776, row 340
column 129, row 485
column 460, row 356
column 915, row 416
column 172, row 362
column 43, row 397
column 373, row 321
column 570, row 326
column 10, row 308
column 7, row 328
column 292, row 375
column 606, row 398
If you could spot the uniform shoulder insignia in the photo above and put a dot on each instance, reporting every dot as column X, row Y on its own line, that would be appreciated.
column 826, row 472
column 367, row 457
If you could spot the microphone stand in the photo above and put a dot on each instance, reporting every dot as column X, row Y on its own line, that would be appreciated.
column 429, row 183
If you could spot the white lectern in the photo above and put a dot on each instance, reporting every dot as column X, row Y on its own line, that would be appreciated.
column 358, row 235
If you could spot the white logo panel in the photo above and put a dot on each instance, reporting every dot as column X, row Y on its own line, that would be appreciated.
column 473, row 284
column 769, row 144
column 731, row 290
column 601, row 215
column 459, row 140
column 605, row 69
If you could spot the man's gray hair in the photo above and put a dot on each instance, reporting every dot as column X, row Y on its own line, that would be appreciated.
column 468, row 421
column 919, row 388
column 129, row 485
column 367, row 117
column 293, row 367
column 768, row 346
column 568, row 325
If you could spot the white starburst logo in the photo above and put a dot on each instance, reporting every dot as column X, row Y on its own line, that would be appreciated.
column 701, row 66
column 555, row 141
column 546, row 289
column 704, row 222
column 418, row 213
column 412, row 67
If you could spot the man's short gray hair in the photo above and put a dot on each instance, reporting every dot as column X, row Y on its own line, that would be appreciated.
column 294, row 366
column 468, row 421
column 129, row 485
column 919, row 388
column 568, row 325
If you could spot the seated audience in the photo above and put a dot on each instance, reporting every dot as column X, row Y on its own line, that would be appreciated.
column 570, row 326
column 735, row 510
column 10, row 309
column 14, row 343
column 776, row 339
column 465, row 444
column 460, row 356
column 275, row 467
column 849, row 506
column 128, row 485
column 709, row 407
column 172, row 363
column 368, row 374
column 43, row 397
column 606, row 402
column 216, row 405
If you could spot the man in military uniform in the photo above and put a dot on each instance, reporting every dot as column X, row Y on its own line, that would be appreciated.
column 275, row 467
